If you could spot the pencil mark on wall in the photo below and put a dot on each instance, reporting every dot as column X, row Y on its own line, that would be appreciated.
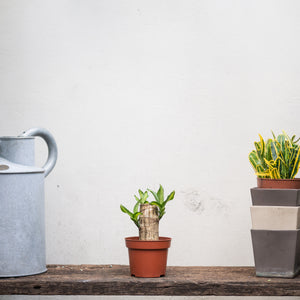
column 200, row 201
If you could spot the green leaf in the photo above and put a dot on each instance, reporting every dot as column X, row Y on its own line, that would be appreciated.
column 136, row 198
column 156, row 203
column 268, row 150
column 160, row 194
column 296, row 164
column 144, row 197
column 141, row 193
column 262, row 146
column 136, row 207
column 161, row 214
column 125, row 210
column 274, row 136
column 135, row 215
column 274, row 150
column 154, row 195
column 170, row 196
column 254, row 160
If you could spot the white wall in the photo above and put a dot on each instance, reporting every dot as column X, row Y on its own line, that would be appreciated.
column 139, row 93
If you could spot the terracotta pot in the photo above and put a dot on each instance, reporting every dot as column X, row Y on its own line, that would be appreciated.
column 267, row 183
column 148, row 258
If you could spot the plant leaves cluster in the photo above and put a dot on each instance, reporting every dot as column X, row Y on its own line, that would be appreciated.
column 278, row 158
column 159, row 201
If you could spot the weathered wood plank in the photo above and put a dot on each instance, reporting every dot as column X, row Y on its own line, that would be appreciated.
column 115, row 280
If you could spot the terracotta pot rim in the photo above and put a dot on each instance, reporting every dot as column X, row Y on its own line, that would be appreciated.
column 270, row 179
column 136, row 239
column 134, row 243
column 278, row 183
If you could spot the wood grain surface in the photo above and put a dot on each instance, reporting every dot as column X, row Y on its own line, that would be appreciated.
column 116, row 280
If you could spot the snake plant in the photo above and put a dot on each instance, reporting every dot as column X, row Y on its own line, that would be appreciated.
column 159, row 201
column 278, row 158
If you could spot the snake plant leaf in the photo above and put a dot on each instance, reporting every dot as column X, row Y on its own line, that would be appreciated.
column 277, row 158
column 288, row 139
column 254, row 160
column 296, row 164
column 274, row 150
column 281, row 141
column 258, row 149
column 270, row 163
column 268, row 150
column 262, row 146
column 274, row 174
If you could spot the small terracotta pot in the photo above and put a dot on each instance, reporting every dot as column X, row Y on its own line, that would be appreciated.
column 148, row 258
column 267, row 183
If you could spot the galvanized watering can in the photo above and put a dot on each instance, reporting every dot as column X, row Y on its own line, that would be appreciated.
column 22, row 221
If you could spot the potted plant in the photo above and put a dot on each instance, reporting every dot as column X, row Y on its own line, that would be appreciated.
column 275, row 213
column 276, row 162
column 148, row 251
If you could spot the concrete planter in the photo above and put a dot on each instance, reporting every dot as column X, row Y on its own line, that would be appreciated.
column 275, row 231
column 275, row 217
column 276, row 252
column 275, row 197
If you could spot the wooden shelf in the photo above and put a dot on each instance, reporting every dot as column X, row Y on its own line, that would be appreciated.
column 179, row 281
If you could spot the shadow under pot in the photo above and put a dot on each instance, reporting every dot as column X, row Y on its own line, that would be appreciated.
column 148, row 258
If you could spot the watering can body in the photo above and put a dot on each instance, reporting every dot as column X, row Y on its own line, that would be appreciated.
column 22, row 213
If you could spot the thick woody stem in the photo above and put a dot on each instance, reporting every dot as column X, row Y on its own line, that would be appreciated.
column 148, row 222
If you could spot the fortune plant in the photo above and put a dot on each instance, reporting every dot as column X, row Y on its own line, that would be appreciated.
column 147, row 214
column 278, row 158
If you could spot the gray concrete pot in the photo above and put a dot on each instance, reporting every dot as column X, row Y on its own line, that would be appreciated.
column 276, row 252
column 275, row 197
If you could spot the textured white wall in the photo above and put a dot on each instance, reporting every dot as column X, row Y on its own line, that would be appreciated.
column 139, row 93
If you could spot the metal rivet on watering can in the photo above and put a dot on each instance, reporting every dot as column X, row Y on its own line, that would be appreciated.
column 22, row 221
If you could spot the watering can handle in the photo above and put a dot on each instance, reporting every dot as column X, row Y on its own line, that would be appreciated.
column 51, row 144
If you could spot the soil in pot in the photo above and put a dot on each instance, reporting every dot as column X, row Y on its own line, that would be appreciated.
column 148, row 258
